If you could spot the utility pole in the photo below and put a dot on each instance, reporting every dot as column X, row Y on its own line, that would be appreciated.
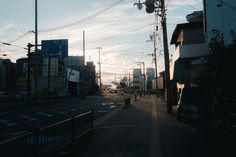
column 84, row 46
column 155, row 59
column 166, row 56
column 49, row 75
column 36, row 25
column 99, row 63
column 36, row 70
column 144, row 79
column 153, row 6
column 28, row 75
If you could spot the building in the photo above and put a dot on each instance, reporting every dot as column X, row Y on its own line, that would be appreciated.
column 190, row 47
column 219, row 15
column 21, row 75
column 186, row 64
column 137, row 78
column 7, row 75
column 150, row 73
column 90, row 77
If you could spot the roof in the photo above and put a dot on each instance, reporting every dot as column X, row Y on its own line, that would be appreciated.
column 181, row 26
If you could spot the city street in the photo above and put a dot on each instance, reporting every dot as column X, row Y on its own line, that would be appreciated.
column 18, row 121
column 141, row 130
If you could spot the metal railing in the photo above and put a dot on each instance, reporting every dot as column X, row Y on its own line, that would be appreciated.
column 48, row 140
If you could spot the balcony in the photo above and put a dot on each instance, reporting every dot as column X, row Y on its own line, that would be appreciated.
column 182, row 54
column 190, row 51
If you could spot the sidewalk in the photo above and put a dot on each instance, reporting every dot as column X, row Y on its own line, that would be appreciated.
column 142, row 130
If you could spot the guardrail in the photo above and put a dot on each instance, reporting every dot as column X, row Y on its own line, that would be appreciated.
column 46, row 141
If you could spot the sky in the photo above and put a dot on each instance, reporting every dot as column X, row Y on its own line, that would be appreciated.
column 115, row 25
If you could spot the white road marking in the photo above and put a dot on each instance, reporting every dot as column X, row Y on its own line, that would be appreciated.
column 4, row 113
column 7, row 123
column 113, row 106
column 111, row 103
column 102, row 111
column 45, row 114
column 28, row 117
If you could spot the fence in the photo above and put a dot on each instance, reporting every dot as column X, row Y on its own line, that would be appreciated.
column 43, row 142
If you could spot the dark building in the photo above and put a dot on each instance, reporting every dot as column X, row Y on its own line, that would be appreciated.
column 90, row 77
column 7, row 75
column 21, row 75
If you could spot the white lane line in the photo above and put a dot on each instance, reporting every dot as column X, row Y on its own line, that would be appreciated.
column 28, row 117
column 102, row 111
column 45, row 114
column 111, row 103
column 2, row 113
column 72, row 109
column 53, row 110
column 7, row 123
column 113, row 106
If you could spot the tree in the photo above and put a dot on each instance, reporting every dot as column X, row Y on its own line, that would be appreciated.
column 220, row 81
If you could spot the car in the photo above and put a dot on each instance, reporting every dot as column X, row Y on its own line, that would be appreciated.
column 4, row 95
column 193, row 106
column 120, row 91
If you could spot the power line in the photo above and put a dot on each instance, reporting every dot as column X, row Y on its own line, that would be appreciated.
column 18, row 38
column 84, row 19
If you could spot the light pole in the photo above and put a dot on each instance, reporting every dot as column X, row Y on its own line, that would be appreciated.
column 99, row 63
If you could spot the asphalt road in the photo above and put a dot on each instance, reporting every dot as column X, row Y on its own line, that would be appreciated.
column 144, row 130
column 14, row 122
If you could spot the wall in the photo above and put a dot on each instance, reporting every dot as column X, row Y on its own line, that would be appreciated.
column 220, row 15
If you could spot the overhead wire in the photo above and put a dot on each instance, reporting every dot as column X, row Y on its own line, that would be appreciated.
column 84, row 19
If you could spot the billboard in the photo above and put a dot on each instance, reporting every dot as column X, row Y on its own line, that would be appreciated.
column 55, row 48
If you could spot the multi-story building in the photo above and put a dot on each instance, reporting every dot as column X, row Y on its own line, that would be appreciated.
column 186, row 64
column 150, row 73
column 137, row 78
column 190, row 47
column 21, row 75
column 7, row 75
column 90, row 77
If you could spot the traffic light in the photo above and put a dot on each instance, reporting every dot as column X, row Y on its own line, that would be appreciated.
column 150, row 6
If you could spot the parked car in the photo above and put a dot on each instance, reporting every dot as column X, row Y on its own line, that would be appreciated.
column 193, row 106
column 120, row 91
column 4, row 95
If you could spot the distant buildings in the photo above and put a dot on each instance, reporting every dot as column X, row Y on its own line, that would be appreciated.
column 150, row 74
column 137, row 79
column 52, row 73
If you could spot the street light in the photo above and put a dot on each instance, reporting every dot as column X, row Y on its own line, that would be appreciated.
column 99, row 63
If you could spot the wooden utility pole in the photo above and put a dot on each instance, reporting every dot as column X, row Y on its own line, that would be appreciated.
column 166, row 56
